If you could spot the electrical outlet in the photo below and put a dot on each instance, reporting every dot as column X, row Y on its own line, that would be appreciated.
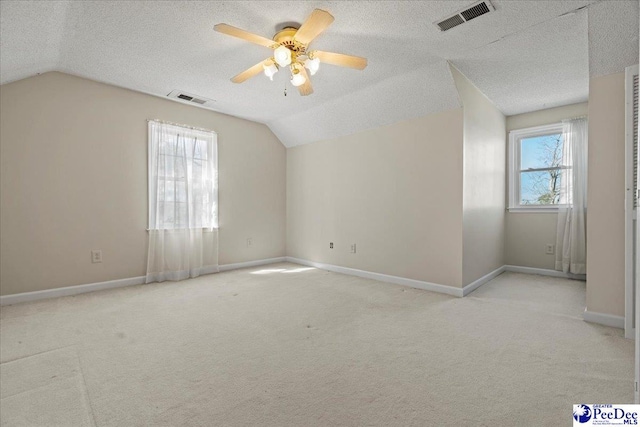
column 249, row 242
column 96, row 256
column 549, row 249
column 330, row 245
column 353, row 248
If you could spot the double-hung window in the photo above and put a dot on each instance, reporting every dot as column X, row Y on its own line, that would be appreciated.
column 183, row 178
column 537, row 168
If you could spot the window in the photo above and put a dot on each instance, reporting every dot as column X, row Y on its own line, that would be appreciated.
column 183, row 180
column 537, row 169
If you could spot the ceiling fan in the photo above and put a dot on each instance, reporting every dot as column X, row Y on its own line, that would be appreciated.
column 291, row 49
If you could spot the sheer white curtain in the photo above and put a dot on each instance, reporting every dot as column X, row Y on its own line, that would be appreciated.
column 571, row 238
column 183, row 202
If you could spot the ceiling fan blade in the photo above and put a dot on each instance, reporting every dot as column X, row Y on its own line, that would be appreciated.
column 313, row 26
column 305, row 88
column 247, row 74
column 340, row 59
column 245, row 35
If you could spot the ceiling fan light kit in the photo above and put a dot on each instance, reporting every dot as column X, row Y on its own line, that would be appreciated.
column 282, row 56
column 297, row 78
column 270, row 69
column 291, row 48
column 312, row 65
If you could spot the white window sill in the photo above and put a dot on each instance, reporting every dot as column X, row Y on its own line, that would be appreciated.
column 182, row 229
column 539, row 209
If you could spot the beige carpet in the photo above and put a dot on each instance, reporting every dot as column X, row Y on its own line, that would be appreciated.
column 285, row 345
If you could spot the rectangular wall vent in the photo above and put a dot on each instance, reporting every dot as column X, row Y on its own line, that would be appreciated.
column 477, row 9
column 178, row 94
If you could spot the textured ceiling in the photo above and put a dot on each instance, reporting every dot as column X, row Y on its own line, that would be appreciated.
column 524, row 57
column 613, row 37
column 531, row 70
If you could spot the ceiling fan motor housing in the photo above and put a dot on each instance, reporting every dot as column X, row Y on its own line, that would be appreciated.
column 285, row 38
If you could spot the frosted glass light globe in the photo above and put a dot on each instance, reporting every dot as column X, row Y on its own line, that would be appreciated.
column 269, row 69
column 312, row 65
column 297, row 79
column 282, row 55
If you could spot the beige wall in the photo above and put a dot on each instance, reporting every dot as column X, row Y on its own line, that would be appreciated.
column 526, row 237
column 605, row 222
column 75, row 147
column 395, row 191
column 527, row 234
column 547, row 116
column 74, row 178
column 483, row 183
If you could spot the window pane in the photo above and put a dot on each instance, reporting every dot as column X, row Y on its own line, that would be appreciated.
column 179, row 167
column 181, row 215
column 165, row 165
column 540, row 188
column 182, row 158
column 168, row 214
column 172, row 190
column 168, row 145
column 541, row 152
column 181, row 191
column 200, row 151
column 169, row 191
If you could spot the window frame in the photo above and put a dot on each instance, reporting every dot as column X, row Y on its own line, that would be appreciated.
column 211, row 140
column 515, row 145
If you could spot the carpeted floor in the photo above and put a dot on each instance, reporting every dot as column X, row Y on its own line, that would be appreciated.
column 285, row 345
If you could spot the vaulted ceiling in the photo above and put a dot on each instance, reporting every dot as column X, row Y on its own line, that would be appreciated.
column 525, row 56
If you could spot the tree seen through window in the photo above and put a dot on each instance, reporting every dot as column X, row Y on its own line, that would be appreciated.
column 541, row 169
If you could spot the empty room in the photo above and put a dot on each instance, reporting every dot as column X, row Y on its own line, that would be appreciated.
column 312, row 213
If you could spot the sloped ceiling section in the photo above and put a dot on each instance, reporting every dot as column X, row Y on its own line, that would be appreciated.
column 158, row 47
column 543, row 66
column 391, row 100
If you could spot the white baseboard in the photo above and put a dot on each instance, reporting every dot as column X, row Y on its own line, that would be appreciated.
column 543, row 272
column 69, row 290
column 630, row 333
column 435, row 287
column 227, row 267
column 120, row 283
column 481, row 281
column 603, row 319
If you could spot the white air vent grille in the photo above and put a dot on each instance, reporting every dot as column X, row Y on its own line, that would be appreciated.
column 477, row 9
column 178, row 94
column 449, row 23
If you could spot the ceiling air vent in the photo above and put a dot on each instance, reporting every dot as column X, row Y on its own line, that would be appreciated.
column 449, row 23
column 178, row 94
column 477, row 9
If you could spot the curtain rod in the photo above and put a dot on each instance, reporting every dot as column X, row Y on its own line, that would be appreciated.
column 576, row 118
column 181, row 125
